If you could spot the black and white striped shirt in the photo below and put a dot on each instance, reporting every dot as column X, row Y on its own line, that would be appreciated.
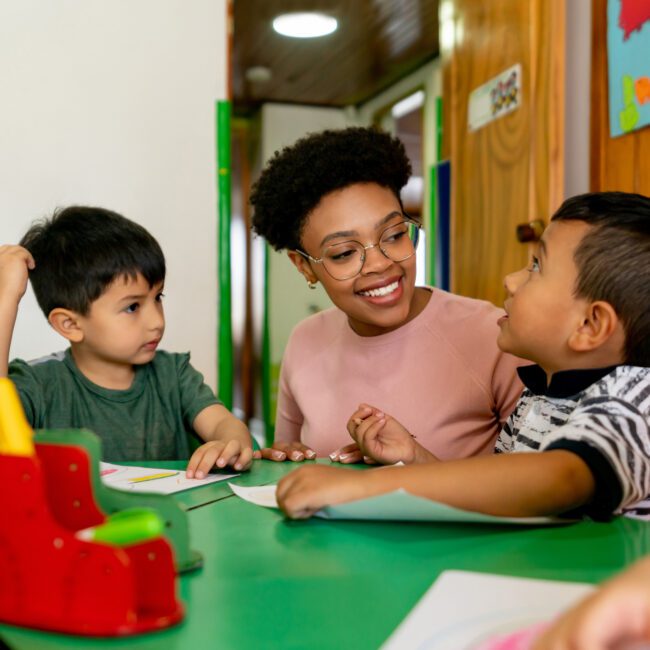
column 602, row 415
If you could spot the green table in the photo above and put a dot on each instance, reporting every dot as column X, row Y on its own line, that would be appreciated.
column 272, row 583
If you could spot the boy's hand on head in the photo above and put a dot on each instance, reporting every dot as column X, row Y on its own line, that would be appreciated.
column 15, row 264
column 281, row 451
column 308, row 489
column 220, row 454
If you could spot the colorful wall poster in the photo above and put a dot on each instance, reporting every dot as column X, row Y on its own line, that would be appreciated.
column 495, row 98
column 628, row 57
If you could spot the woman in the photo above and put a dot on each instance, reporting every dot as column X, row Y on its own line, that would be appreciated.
column 430, row 358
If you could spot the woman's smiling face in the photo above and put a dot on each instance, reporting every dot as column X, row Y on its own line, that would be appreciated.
column 381, row 297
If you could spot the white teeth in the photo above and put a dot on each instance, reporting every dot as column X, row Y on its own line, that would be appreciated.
column 382, row 291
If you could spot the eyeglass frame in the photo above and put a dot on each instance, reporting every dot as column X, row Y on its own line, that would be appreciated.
column 407, row 219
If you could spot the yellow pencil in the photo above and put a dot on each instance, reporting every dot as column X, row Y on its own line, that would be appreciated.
column 152, row 477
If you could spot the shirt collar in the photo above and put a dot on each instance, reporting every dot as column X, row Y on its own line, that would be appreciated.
column 564, row 383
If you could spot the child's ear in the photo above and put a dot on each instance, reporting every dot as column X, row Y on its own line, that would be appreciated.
column 66, row 323
column 601, row 325
column 302, row 264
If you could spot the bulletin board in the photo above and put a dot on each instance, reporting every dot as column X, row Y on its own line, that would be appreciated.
column 628, row 62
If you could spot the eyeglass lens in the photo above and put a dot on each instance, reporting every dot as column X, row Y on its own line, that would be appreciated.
column 345, row 260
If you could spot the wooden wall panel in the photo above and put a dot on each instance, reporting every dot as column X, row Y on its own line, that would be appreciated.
column 621, row 163
column 547, row 70
column 643, row 162
column 510, row 171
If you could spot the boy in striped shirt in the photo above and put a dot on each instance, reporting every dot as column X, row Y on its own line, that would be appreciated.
column 581, row 313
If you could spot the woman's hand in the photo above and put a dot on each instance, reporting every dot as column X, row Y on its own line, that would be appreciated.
column 350, row 454
column 280, row 451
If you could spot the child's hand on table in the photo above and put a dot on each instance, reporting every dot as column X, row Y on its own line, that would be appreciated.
column 281, row 451
column 308, row 489
column 219, row 453
column 382, row 438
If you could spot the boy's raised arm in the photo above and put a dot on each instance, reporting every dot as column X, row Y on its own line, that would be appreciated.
column 227, row 442
column 15, row 263
column 511, row 485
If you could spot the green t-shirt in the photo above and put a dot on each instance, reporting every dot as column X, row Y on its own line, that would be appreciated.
column 148, row 421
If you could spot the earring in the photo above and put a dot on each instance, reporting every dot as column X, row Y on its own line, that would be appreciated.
column 311, row 285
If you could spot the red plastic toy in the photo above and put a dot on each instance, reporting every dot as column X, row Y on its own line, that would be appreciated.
column 52, row 579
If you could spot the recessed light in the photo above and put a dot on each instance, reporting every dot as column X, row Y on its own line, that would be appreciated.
column 258, row 74
column 304, row 24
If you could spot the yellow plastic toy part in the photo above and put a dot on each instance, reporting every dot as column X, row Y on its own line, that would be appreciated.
column 15, row 432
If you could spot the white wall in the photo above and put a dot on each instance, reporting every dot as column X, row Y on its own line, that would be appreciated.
column 290, row 299
column 111, row 103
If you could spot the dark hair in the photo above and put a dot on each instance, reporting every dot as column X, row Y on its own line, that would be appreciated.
column 81, row 250
column 613, row 261
column 298, row 177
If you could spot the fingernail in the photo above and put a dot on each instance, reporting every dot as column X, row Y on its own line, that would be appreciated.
column 200, row 474
column 311, row 454
column 237, row 466
column 297, row 455
column 280, row 455
column 357, row 421
column 189, row 473
column 221, row 462
column 333, row 456
column 379, row 414
column 343, row 456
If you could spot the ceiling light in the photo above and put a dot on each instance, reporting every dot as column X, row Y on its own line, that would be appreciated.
column 408, row 104
column 304, row 24
column 258, row 74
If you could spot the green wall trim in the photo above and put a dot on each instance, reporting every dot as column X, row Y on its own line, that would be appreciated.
column 432, row 227
column 225, row 358
column 268, row 400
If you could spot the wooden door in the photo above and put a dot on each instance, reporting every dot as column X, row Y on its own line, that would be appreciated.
column 510, row 171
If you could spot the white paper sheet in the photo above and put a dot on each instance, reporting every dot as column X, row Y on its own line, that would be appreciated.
column 153, row 479
column 394, row 506
column 462, row 610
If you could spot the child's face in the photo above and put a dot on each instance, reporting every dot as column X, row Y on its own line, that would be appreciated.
column 125, row 324
column 362, row 212
column 542, row 310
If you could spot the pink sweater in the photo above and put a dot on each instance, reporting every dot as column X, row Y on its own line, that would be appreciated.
column 441, row 375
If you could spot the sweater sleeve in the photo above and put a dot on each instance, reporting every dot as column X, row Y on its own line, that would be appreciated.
column 506, row 385
column 288, row 417
column 495, row 371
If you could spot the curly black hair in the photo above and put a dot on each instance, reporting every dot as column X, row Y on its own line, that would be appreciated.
column 298, row 177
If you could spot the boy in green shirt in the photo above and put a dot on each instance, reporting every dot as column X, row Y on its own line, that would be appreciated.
column 98, row 277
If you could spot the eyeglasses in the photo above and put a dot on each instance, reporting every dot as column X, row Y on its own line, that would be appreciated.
column 344, row 260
